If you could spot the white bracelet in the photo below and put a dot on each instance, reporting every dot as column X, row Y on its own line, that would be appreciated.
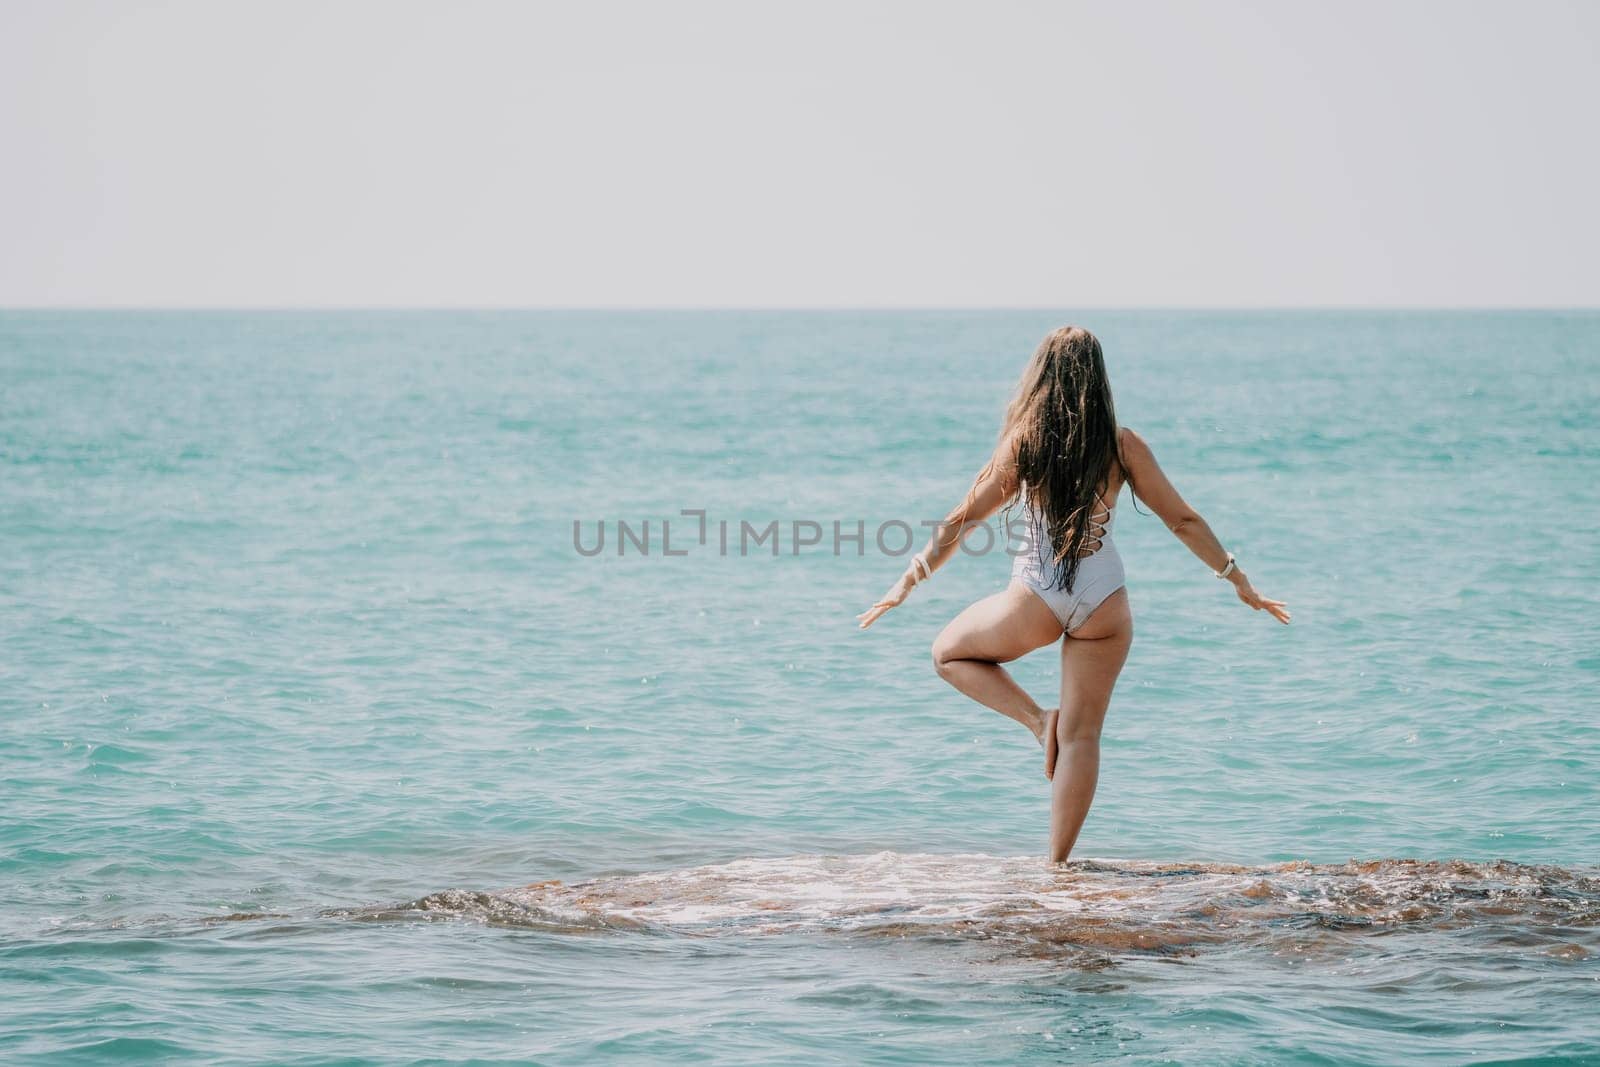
column 921, row 569
column 1224, row 572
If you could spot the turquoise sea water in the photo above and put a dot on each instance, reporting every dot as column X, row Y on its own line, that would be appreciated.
column 320, row 742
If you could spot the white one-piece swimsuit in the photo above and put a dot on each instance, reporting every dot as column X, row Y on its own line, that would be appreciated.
column 1099, row 574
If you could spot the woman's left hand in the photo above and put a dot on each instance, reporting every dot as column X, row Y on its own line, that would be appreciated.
column 1247, row 593
column 892, row 599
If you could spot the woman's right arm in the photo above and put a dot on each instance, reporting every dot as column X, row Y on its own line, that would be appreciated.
column 1150, row 484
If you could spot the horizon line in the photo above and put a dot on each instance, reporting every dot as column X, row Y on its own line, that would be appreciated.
column 785, row 308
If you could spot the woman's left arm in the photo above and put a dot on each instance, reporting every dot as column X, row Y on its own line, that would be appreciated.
column 994, row 485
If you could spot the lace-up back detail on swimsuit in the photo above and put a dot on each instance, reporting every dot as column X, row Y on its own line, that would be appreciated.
column 1099, row 574
column 1099, row 529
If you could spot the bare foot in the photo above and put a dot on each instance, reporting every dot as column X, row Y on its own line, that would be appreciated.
column 1051, row 745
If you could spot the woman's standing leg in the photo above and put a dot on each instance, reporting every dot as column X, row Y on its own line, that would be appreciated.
column 996, row 630
column 1091, row 659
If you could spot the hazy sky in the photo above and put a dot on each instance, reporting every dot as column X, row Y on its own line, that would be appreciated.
column 798, row 154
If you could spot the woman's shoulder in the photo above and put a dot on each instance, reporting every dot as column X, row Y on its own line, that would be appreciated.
column 1129, row 441
column 1007, row 448
column 1133, row 455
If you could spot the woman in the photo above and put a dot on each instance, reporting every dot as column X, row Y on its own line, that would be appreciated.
column 1064, row 459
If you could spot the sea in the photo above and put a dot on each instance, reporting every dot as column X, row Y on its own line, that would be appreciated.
column 485, row 686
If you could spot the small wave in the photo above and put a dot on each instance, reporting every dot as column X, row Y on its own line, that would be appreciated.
column 1105, row 906
column 494, row 909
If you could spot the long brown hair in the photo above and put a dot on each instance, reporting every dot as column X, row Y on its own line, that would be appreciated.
column 1062, row 429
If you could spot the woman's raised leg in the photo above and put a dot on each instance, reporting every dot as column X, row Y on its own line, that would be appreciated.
column 996, row 630
column 1091, row 659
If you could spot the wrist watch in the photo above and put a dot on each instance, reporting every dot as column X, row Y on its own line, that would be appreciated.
column 1229, row 569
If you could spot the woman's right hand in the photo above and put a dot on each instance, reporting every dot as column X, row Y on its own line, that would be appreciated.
column 1248, row 594
column 892, row 599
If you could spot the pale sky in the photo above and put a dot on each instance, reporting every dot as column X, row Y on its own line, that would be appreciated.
column 804, row 154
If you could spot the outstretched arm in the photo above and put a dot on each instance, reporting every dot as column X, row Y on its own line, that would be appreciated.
column 1151, row 486
column 994, row 485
